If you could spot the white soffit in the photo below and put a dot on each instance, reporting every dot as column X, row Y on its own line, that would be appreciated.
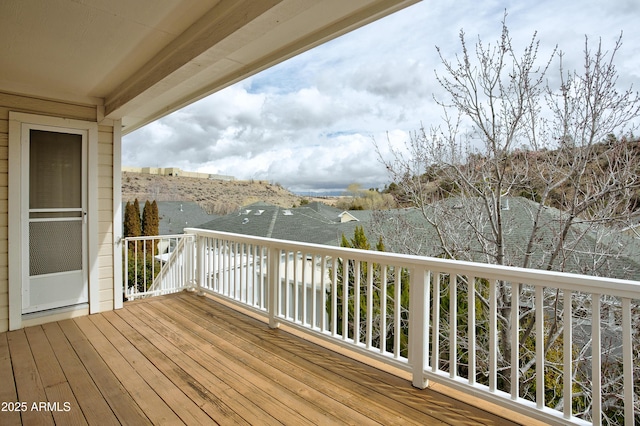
column 143, row 59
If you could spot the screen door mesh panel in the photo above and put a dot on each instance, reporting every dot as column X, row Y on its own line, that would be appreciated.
column 55, row 247
column 55, row 167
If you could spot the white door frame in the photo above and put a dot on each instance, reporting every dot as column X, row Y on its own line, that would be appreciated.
column 16, row 212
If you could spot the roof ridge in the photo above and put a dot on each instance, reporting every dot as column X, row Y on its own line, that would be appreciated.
column 273, row 222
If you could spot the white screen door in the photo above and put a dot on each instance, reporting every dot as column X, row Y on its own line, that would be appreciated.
column 56, row 223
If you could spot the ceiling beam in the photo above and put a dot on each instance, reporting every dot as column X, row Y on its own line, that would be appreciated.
column 224, row 19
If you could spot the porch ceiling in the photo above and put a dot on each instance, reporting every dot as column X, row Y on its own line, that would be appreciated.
column 143, row 59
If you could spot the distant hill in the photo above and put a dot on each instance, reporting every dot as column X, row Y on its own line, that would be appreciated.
column 437, row 185
column 215, row 196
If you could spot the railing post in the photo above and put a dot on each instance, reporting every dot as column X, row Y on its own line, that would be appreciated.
column 125, row 267
column 273, row 280
column 200, row 270
column 419, row 325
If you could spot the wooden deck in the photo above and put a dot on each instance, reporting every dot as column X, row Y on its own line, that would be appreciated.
column 182, row 359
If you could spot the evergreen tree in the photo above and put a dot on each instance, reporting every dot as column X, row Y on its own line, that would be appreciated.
column 156, row 217
column 132, row 227
column 136, row 207
column 147, row 219
column 150, row 224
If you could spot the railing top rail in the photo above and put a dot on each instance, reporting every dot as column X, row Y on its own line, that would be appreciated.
column 158, row 237
column 554, row 279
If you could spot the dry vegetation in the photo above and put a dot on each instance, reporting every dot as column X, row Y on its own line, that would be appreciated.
column 214, row 196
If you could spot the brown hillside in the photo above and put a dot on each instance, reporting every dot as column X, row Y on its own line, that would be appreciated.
column 214, row 196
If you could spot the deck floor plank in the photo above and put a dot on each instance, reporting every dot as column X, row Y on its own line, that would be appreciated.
column 143, row 394
column 197, row 387
column 345, row 388
column 322, row 391
column 63, row 403
column 260, row 365
column 277, row 401
column 392, row 394
column 172, row 395
column 183, row 359
column 28, row 382
column 8, row 393
column 113, row 391
column 228, row 405
column 89, row 399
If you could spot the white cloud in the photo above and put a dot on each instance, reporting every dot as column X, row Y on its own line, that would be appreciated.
column 309, row 123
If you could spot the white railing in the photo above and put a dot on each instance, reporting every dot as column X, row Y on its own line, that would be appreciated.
column 418, row 314
column 158, row 265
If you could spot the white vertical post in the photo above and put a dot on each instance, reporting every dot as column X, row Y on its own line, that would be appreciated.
column 418, row 326
column 471, row 327
column 345, row 299
column 296, row 288
column 493, row 335
column 515, row 337
column 356, row 302
column 627, row 361
column 567, row 337
column 303, row 288
column 117, row 217
column 397, row 326
column 323, row 284
column 369, row 304
column 453, row 324
column 383, row 310
column 273, row 282
column 596, row 362
column 334, row 295
column 125, row 244
column 435, row 326
column 540, row 359
column 314, row 290
column 287, row 307
column 200, row 269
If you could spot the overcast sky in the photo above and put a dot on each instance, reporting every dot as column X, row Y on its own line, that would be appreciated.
column 309, row 123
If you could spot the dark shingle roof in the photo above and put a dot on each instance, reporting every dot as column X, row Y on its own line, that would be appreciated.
column 584, row 240
column 314, row 223
column 177, row 215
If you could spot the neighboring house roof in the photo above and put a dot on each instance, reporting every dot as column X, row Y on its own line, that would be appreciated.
column 312, row 223
column 140, row 60
column 409, row 226
column 177, row 215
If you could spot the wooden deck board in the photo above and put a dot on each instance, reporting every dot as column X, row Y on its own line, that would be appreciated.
column 114, row 392
column 229, row 406
column 392, row 395
column 57, row 389
column 261, row 365
column 277, row 401
column 182, row 359
column 171, row 394
column 8, row 393
column 28, row 382
column 323, row 384
column 145, row 395
column 89, row 399
column 202, row 387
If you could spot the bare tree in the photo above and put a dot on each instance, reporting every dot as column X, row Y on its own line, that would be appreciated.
column 522, row 174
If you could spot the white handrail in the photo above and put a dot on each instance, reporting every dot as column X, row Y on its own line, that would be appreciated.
column 500, row 333
column 166, row 268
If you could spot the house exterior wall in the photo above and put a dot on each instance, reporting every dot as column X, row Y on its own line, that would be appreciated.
column 104, row 267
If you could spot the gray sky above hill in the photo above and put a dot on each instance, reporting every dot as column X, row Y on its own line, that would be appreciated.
column 309, row 123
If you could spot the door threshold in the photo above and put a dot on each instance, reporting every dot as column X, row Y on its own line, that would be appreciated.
column 54, row 311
